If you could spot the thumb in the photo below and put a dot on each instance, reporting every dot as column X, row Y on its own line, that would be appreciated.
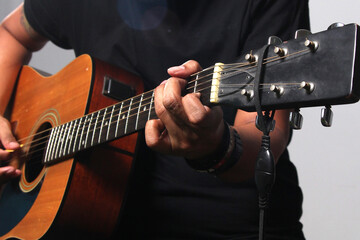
column 6, row 136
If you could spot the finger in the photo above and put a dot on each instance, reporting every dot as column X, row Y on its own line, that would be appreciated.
column 185, row 70
column 195, row 111
column 156, row 136
column 4, row 155
column 172, row 100
column 7, row 173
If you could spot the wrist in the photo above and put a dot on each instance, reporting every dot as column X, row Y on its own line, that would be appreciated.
column 225, row 157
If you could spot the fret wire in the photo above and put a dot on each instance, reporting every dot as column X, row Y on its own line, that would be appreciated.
column 62, row 139
column 127, row 118
column 119, row 116
column 49, row 146
column 82, row 132
column 68, row 128
column 57, row 142
column 88, row 129
column 93, row 135
column 139, row 107
column 56, row 129
column 77, row 133
column 110, row 121
column 151, row 103
column 196, row 82
column 102, row 124
column 72, row 135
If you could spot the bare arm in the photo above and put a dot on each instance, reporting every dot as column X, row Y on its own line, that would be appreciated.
column 251, row 140
column 17, row 41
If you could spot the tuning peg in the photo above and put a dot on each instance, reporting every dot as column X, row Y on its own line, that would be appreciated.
column 280, row 51
column 313, row 45
column 250, row 57
column 248, row 93
column 336, row 25
column 326, row 116
column 308, row 86
column 302, row 33
column 277, row 89
column 273, row 40
column 296, row 119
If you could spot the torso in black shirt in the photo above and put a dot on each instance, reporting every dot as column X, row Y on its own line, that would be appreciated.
column 170, row 200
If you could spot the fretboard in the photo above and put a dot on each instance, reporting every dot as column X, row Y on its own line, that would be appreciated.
column 113, row 122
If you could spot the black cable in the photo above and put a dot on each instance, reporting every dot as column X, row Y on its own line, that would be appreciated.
column 265, row 164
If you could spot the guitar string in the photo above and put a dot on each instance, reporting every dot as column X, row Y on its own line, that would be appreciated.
column 66, row 145
column 105, row 118
column 201, row 83
column 68, row 130
column 234, row 67
column 64, row 133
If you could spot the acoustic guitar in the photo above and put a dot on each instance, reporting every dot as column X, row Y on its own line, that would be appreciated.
column 79, row 127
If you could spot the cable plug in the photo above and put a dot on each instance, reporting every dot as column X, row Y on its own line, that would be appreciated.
column 264, row 172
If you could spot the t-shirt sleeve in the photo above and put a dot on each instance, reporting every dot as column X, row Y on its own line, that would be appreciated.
column 279, row 18
column 45, row 18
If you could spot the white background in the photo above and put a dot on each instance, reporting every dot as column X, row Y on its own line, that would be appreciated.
column 327, row 159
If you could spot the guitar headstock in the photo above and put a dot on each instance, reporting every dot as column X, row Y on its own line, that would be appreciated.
column 310, row 70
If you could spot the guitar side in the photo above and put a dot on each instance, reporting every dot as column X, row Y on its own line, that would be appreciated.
column 74, row 197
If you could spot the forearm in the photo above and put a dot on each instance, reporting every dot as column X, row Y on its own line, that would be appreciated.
column 17, row 40
column 12, row 56
column 251, row 142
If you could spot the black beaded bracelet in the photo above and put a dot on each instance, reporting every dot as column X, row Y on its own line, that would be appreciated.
column 224, row 158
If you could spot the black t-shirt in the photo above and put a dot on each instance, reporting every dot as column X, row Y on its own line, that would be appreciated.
column 170, row 200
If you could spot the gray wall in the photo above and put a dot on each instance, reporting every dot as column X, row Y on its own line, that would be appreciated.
column 327, row 158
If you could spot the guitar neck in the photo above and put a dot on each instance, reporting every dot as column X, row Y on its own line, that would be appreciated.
column 113, row 122
column 303, row 73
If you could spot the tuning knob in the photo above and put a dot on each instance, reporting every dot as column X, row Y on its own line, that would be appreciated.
column 296, row 119
column 273, row 40
column 326, row 116
column 302, row 33
column 336, row 25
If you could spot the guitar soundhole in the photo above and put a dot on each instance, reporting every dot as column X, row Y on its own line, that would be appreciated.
column 36, row 152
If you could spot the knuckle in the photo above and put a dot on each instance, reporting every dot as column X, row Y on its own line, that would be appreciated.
column 171, row 102
column 197, row 114
column 193, row 65
column 196, row 118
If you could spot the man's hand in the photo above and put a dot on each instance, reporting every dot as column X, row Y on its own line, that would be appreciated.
column 8, row 142
column 185, row 126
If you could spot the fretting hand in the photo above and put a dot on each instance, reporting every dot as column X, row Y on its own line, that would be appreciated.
column 185, row 126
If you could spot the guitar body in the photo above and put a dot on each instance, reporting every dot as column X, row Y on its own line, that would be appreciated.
column 78, row 197
column 81, row 197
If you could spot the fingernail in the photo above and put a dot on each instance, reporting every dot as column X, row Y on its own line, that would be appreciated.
column 176, row 69
column 13, row 145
